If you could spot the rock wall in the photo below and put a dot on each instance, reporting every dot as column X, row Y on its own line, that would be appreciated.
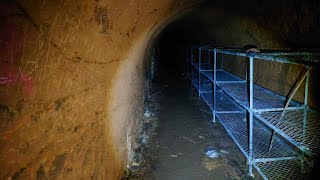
column 72, row 84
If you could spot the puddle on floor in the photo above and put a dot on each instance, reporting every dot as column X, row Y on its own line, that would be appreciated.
column 176, row 149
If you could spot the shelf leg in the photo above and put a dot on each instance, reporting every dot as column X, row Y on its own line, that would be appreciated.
column 250, row 143
column 250, row 115
column 214, row 84
column 213, row 117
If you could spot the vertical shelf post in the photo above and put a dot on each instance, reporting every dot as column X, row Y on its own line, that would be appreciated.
column 250, row 115
column 221, row 68
column 199, row 73
column 214, row 85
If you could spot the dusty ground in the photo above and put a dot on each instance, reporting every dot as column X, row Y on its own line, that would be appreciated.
column 176, row 151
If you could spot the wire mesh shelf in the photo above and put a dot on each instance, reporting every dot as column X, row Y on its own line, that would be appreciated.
column 222, row 76
column 205, row 84
column 297, row 133
column 237, row 126
column 300, row 127
column 224, row 103
column 262, row 98
column 286, row 169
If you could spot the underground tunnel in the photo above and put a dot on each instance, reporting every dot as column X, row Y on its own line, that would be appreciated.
column 108, row 89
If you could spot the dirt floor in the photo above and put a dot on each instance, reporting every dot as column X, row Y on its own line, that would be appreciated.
column 184, row 131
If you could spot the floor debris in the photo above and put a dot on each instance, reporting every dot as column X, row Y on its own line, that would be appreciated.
column 210, row 165
column 190, row 140
column 211, row 153
column 224, row 152
column 147, row 114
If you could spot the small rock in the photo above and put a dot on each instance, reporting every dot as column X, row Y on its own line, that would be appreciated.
column 211, row 153
column 144, row 141
column 173, row 155
column 150, row 119
column 147, row 114
column 135, row 164
column 147, row 120
column 224, row 152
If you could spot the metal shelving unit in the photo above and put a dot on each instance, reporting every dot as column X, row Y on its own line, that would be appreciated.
column 278, row 136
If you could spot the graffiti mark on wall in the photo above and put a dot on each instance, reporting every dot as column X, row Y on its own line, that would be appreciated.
column 13, row 40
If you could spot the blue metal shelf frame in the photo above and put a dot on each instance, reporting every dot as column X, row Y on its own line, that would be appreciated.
column 261, row 105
